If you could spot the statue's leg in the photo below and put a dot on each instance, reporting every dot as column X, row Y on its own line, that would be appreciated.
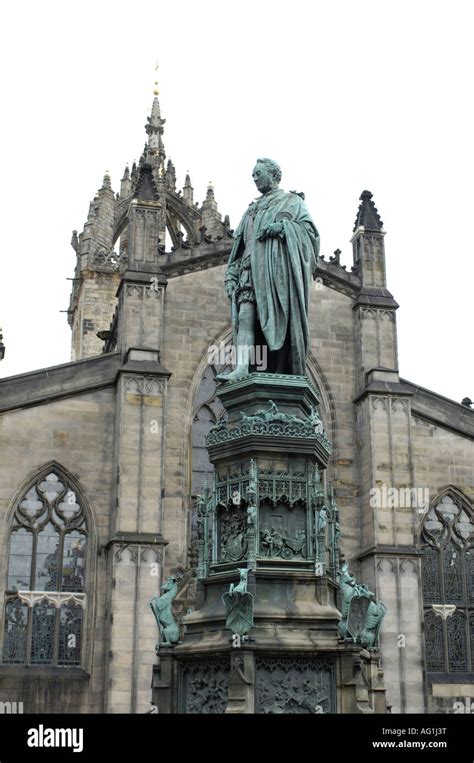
column 280, row 360
column 245, row 342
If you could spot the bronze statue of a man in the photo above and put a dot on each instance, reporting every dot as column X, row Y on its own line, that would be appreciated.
column 268, row 277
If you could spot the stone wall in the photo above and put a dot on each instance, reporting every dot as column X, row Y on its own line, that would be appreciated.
column 77, row 434
column 128, row 446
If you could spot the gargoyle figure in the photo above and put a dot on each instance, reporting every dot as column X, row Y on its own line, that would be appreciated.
column 161, row 608
column 238, row 603
column 241, row 586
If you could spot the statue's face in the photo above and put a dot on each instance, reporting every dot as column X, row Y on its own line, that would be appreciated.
column 263, row 179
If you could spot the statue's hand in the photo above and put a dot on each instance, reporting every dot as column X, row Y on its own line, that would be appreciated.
column 275, row 229
column 229, row 288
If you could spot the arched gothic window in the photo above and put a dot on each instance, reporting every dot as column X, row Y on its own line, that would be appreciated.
column 448, row 585
column 207, row 410
column 45, row 591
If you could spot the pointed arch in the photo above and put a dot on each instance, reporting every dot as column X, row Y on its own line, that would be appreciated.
column 49, row 568
column 41, row 472
column 446, row 541
column 328, row 408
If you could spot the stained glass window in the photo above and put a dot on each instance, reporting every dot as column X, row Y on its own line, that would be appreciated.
column 42, row 641
column 45, row 592
column 14, row 640
column 207, row 410
column 448, row 585
column 70, row 634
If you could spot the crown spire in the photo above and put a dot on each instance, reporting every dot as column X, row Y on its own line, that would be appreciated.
column 155, row 150
column 367, row 214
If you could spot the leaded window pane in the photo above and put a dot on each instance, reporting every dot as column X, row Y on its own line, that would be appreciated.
column 14, row 636
column 470, row 575
column 452, row 568
column 74, row 561
column 434, row 642
column 448, row 586
column 203, row 421
column 31, row 505
column 52, row 487
column 69, row 508
column 19, row 563
column 43, row 626
column 471, row 637
column 47, row 559
column 47, row 565
column 207, row 387
column 70, row 634
column 431, row 576
column 457, row 648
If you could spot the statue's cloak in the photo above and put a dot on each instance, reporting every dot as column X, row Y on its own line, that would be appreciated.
column 282, row 268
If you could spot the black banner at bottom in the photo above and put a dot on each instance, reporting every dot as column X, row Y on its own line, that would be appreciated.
column 154, row 736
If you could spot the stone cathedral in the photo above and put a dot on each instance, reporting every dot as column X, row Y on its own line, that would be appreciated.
column 111, row 461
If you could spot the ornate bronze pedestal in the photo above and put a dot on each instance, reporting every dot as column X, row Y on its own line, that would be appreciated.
column 264, row 637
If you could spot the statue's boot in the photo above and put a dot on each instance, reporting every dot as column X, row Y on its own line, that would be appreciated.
column 245, row 342
column 238, row 373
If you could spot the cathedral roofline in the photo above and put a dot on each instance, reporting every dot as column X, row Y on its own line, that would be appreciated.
column 430, row 392
column 441, row 411
column 54, row 382
column 425, row 404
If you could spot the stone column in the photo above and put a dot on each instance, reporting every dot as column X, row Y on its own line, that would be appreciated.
column 135, row 574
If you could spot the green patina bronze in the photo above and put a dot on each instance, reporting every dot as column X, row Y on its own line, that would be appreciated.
column 238, row 603
column 269, row 274
column 362, row 615
column 270, row 422
column 161, row 608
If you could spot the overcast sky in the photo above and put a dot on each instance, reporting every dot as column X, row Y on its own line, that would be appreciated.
column 344, row 95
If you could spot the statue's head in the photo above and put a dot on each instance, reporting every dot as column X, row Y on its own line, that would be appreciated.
column 168, row 584
column 266, row 174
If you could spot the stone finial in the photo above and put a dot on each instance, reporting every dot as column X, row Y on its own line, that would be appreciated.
column 367, row 214
column 75, row 241
column 171, row 176
column 155, row 118
column 2, row 346
column 188, row 191
column 91, row 214
column 209, row 205
column 106, row 184
column 155, row 151
column 143, row 157
column 467, row 402
column 125, row 184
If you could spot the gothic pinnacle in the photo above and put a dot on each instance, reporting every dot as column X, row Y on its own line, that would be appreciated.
column 155, row 112
column 188, row 190
column 106, row 185
column 367, row 214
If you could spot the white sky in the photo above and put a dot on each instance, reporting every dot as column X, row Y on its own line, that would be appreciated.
column 345, row 95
